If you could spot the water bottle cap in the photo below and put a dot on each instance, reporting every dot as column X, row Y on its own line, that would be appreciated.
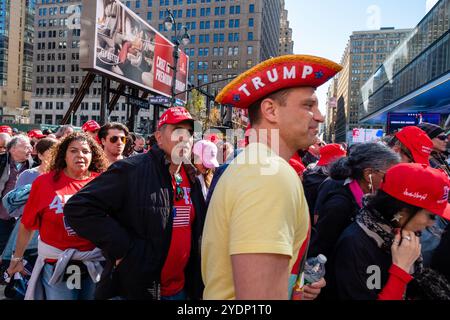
column 322, row 259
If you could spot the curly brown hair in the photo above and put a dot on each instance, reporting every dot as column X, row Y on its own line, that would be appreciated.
column 98, row 164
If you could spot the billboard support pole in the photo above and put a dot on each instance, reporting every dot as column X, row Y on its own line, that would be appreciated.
column 104, row 101
column 79, row 96
column 115, row 98
column 155, row 116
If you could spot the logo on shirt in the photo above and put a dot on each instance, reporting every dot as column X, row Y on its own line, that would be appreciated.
column 59, row 202
column 58, row 205
column 182, row 217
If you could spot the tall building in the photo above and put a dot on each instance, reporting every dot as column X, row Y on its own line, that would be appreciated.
column 16, row 58
column 414, row 80
column 286, row 42
column 365, row 52
column 227, row 38
column 331, row 105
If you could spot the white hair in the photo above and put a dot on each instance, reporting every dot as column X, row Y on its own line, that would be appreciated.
column 15, row 140
column 5, row 137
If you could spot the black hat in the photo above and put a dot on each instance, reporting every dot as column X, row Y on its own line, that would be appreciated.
column 431, row 130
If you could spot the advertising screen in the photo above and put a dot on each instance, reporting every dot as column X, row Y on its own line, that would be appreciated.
column 397, row 121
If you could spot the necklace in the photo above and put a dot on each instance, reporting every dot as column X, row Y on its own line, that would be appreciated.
column 179, row 192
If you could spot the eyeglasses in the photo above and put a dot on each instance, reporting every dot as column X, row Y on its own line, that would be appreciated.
column 179, row 191
column 442, row 137
column 116, row 138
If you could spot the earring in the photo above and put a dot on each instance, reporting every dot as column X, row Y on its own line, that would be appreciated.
column 370, row 183
column 397, row 217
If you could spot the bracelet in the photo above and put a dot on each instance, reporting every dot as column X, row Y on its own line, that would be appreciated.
column 16, row 259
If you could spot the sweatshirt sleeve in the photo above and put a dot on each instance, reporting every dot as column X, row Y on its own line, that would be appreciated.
column 92, row 212
column 395, row 288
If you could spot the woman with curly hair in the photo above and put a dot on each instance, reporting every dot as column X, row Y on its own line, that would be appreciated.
column 67, row 266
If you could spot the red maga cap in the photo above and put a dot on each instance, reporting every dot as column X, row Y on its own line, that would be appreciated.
column 35, row 133
column 174, row 115
column 90, row 126
column 6, row 129
column 276, row 74
column 330, row 153
column 417, row 142
column 419, row 185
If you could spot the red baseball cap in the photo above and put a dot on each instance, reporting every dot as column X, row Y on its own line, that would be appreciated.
column 297, row 164
column 417, row 142
column 419, row 185
column 35, row 133
column 90, row 126
column 330, row 153
column 276, row 74
column 6, row 129
column 175, row 115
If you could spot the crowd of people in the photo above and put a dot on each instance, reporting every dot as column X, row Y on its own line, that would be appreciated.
column 173, row 218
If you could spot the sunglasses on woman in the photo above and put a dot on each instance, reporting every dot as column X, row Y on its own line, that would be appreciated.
column 114, row 139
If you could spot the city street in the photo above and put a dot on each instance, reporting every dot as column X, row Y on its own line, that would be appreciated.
column 198, row 150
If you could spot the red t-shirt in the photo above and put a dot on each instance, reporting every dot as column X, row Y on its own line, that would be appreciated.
column 44, row 211
column 172, row 275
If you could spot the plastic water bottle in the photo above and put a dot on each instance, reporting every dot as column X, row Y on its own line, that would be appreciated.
column 314, row 269
column 313, row 272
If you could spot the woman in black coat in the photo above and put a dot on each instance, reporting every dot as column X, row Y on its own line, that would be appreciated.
column 360, row 173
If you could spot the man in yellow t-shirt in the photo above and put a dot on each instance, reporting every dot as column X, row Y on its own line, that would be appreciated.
column 258, row 217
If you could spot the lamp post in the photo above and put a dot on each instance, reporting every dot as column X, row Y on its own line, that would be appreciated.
column 184, row 39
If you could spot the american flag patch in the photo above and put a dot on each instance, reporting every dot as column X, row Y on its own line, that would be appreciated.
column 182, row 218
column 70, row 231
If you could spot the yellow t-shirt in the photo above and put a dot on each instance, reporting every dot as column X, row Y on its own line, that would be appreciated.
column 258, row 206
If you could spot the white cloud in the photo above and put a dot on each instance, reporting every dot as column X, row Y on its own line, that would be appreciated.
column 430, row 4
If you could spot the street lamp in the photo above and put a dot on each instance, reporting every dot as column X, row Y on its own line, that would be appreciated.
column 185, row 39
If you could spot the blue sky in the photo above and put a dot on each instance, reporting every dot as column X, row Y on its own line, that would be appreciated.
column 323, row 27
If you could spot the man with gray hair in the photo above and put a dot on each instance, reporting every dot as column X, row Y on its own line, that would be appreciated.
column 12, row 163
column 4, row 140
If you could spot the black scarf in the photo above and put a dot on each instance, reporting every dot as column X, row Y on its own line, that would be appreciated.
column 428, row 284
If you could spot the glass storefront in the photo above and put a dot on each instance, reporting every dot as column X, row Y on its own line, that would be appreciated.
column 423, row 57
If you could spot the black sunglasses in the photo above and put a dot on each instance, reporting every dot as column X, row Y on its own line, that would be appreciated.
column 116, row 138
column 442, row 137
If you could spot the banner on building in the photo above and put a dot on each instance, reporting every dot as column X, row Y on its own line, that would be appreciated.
column 116, row 42
column 365, row 135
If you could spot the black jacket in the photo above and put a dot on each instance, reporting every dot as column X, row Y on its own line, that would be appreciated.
column 438, row 161
column 312, row 179
column 127, row 212
column 441, row 256
column 349, row 268
column 337, row 211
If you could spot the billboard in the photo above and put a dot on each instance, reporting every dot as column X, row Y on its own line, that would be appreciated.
column 396, row 121
column 117, row 43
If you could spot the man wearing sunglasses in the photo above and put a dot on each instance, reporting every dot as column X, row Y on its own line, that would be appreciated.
column 113, row 137
column 440, row 140
column 431, row 237
column 146, row 213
